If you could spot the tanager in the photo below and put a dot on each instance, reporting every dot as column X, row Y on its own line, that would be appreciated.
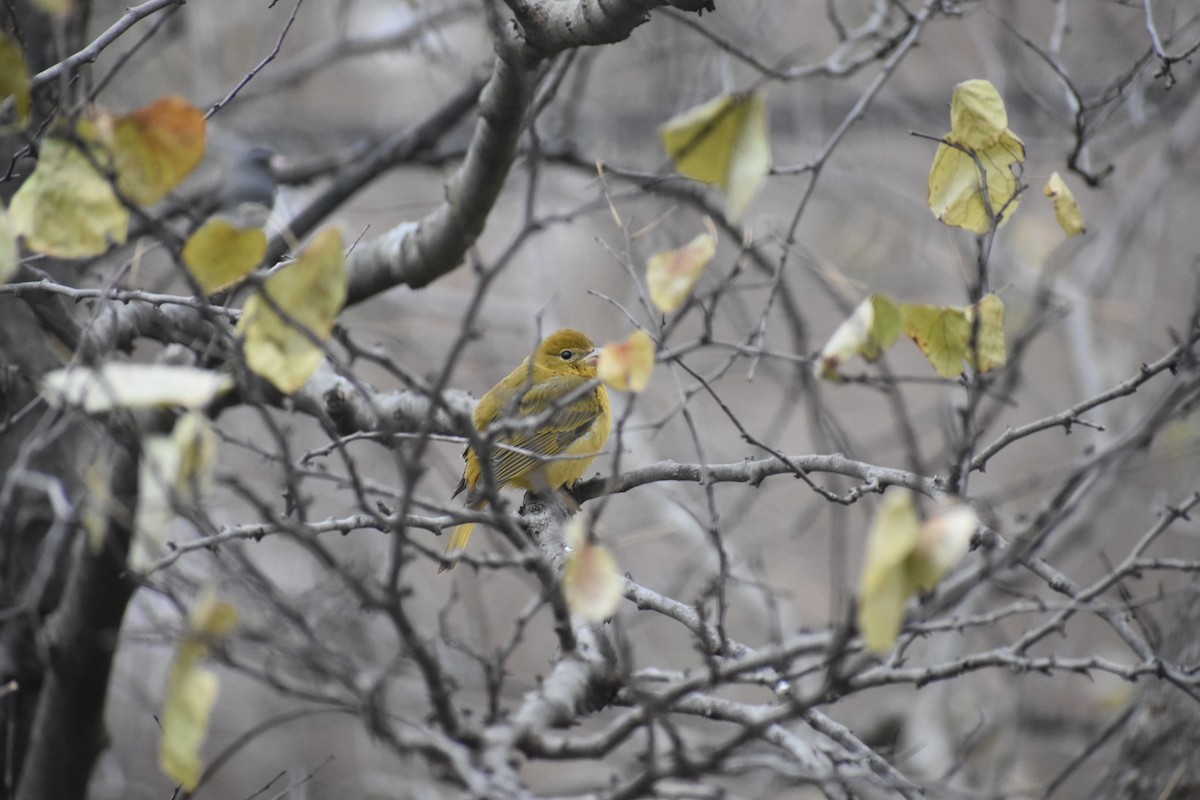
column 575, row 423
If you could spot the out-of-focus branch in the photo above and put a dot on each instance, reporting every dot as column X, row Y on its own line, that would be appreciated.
column 369, row 167
column 415, row 255
column 93, row 50
column 346, row 46
column 68, row 731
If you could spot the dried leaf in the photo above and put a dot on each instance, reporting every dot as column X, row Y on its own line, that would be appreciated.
column 944, row 540
column 174, row 470
column 672, row 274
column 66, row 208
column 1070, row 218
column 990, row 351
column 121, row 385
column 885, row 586
column 192, row 692
column 905, row 557
column 977, row 115
column 15, row 103
column 723, row 142
column 626, row 366
column 157, row 146
column 942, row 333
column 592, row 583
column 872, row 328
column 311, row 292
column 220, row 254
column 979, row 126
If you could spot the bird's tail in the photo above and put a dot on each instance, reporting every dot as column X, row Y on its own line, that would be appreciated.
column 458, row 540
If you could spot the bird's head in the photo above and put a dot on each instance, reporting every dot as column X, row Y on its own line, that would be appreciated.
column 568, row 350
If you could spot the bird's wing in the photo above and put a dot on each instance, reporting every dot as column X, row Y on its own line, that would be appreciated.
column 517, row 454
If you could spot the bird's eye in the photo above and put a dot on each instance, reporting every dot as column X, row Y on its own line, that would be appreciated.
column 566, row 355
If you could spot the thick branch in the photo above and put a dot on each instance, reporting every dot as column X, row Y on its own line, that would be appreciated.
column 550, row 26
column 68, row 731
column 416, row 255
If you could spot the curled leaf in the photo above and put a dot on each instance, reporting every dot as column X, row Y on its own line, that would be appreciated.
column 977, row 115
column 672, row 274
column 873, row 327
column 723, row 142
column 192, row 692
column 979, row 129
column 626, row 366
column 1066, row 210
column 989, row 351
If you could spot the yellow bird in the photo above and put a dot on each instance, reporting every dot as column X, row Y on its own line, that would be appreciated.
column 557, row 452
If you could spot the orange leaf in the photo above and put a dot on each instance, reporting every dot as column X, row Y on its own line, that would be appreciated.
column 626, row 366
column 156, row 147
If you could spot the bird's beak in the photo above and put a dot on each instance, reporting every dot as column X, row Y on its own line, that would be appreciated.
column 593, row 358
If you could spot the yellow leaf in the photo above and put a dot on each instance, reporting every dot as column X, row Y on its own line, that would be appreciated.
column 9, row 255
column 885, row 586
column 955, row 196
column 156, row 147
column 977, row 115
column 211, row 618
column 723, row 142
column 121, row 385
column 15, row 103
column 173, row 470
column 66, row 208
column 197, row 443
column 310, row 291
column 672, row 274
column 592, row 583
column 58, row 7
column 979, row 126
column 945, row 538
column 1070, row 218
column 942, row 333
column 158, row 470
column 97, row 503
column 626, row 366
column 868, row 331
column 219, row 254
column 192, row 692
column 989, row 351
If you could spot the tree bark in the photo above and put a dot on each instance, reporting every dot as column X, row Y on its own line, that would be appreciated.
column 80, row 641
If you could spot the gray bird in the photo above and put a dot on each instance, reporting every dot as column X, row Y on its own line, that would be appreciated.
column 247, row 194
